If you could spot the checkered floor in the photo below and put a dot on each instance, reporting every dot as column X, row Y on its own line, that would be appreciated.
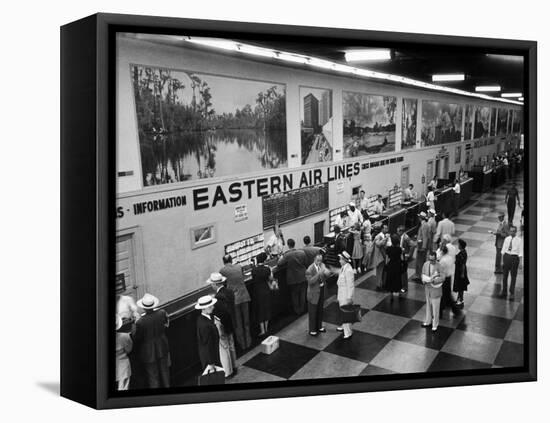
column 487, row 333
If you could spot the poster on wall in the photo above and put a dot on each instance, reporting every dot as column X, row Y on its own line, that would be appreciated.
column 195, row 126
column 408, row 123
column 316, row 125
column 482, row 121
column 493, row 122
column 502, row 121
column 441, row 123
column 468, row 122
column 509, row 124
column 369, row 124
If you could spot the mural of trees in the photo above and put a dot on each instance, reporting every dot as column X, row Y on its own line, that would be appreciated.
column 441, row 123
column 408, row 123
column 186, row 120
column 482, row 121
column 468, row 122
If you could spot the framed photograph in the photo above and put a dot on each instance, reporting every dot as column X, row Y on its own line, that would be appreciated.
column 232, row 193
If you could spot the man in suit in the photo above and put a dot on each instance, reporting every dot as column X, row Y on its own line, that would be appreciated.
column 423, row 244
column 235, row 282
column 432, row 224
column 512, row 253
column 379, row 255
column 339, row 240
column 316, row 275
column 500, row 234
column 444, row 227
column 208, row 339
column 407, row 245
column 310, row 251
column 295, row 262
column 151, row 344
column 224, row 309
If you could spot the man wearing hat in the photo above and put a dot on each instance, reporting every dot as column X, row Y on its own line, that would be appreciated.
column 223, row 310
column 124, row 345
column 500, row 235
column 151, row 343
column 296, row 265
column 423, row 244
column 241, row 314
column 208, row 339
column 354, row 215
column 432, row 224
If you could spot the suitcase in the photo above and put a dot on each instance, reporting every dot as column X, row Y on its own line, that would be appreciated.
column 216, row 377
column 270, row 344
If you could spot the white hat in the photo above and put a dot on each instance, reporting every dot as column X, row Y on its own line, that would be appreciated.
column 345, row 255
column 205, row 302
column 423, row 215
column 216, row 277
column 118, row 323
column 432, row 211
column 352, row 203
column 148, row 302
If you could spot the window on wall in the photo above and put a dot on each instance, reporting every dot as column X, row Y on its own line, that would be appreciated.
column 316, row 125
column 441, row 123
column 369, row 123
column 203, row 235
column 194, row 125
column 408, row 123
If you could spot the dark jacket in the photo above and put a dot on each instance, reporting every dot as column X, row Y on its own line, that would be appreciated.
column 295, row 261
column 314, row 281
column 225, row 308
column 311, row 252
column 235, row 282
column 150, row 342
column 208, row 341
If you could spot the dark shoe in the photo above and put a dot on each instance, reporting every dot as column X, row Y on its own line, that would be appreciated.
column 426, row 325
column 345, row 338
column 498, row 272
column 403, row 291
column 322, row 330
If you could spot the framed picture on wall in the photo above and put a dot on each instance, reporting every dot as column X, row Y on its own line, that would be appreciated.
column 205, row 158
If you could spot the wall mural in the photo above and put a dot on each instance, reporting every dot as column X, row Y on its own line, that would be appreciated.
column 517, row 123
column 408, row 123
column 509, row 124
column 482, row 121
column 316, row 123
column 502, row 121
column 369, row 124
column 493, row 123
column 441, row 123
column 193, row 126
column 468, row 122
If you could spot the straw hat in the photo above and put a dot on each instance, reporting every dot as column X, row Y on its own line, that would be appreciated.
column 345, row 255
column 118, row 323
column 423, row 215
column 148, row 302
column 216, row 277
column 205, row 302
column 351, row 203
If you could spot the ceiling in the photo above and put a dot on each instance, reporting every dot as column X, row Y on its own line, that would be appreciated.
column 421, row 63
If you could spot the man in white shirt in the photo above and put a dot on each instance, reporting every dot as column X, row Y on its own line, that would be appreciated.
column 363, row 201
column 354, row 215
column 408, row 193
column 430, row 198
column 444, row 227
column 512, row 253
column 456, row 197
column 276, row 243
column 378, row 205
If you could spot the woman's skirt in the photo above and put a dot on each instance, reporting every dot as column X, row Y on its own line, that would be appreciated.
column 357, row 253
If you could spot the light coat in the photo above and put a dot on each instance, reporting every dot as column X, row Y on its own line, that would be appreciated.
column 346, row 285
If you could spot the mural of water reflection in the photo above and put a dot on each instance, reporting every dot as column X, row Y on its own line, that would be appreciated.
column 194, row 126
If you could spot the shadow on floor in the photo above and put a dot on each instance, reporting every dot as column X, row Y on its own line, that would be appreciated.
column 51, row 387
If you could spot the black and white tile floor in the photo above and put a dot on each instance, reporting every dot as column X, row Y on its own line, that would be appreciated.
column 487, row 333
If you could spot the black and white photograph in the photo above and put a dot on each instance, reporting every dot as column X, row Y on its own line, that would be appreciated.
column 350, row 258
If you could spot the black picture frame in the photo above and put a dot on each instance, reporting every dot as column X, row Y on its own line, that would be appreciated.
column 88, row 212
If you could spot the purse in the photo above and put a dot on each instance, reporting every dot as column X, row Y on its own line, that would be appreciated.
column 216, row 377
column 351, row 313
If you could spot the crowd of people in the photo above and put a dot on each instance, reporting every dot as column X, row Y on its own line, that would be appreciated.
column 223, row 325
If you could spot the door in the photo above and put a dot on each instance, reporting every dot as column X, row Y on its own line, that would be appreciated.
column 429, row 172
column 318, row 232
column 404, row 176
column 125, row 279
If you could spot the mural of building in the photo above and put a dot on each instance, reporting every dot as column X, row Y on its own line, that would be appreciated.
column 311, row 111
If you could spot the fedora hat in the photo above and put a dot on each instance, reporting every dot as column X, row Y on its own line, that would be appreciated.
column 118, row 323
column 432, row 211
column 216, row 277
column 148, row 302
column 423, row 215
column 345, row 255
column 205, row 302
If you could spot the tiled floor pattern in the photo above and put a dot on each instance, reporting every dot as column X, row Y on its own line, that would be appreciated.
column 487, row 333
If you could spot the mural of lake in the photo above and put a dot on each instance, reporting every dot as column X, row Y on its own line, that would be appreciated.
column 198, row 155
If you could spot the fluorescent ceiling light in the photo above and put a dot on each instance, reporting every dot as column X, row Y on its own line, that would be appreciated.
column 367, row 54
column 511, row 95
column 448, row 77
column 487, row 88
column 337, row 67
column 520, row 99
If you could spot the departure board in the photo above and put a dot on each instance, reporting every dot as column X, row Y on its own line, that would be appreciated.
column 394, row 197
column 287, row 206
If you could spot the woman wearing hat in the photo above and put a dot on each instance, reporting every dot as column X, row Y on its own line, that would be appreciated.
column 208, row 339
column 151, row 343
column 346, row 287
column 124, row 345
column 262, row 279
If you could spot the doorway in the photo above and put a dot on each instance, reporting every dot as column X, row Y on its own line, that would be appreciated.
column 318, row 232
column 128, row 265
column 404, row 176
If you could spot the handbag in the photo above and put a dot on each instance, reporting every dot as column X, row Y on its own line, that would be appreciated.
column 351, row 313
column 214, row 377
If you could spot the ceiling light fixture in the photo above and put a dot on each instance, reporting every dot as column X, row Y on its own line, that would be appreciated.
column 444, row 77
column 487, row 88
column 336, row 67
column 367, row 54
column 520, row 99
column 511, row 95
